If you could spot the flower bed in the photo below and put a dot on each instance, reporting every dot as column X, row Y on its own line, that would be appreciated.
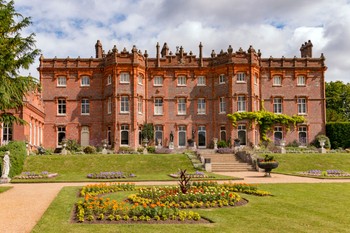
column 110, row 175
column 155, row 204
column 34, row 175
column 327, row 173
column 197, row 174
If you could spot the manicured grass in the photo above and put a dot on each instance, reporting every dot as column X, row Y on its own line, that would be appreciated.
column 4, row 188
column 293, row 163
column 293, row 208
column 76, row 167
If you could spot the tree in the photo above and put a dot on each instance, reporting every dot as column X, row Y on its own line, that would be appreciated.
column 338, row 101
column 16, row 53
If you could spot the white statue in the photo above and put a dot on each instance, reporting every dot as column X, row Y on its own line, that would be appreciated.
column 6, row 165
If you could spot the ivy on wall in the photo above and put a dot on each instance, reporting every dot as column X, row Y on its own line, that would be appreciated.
column 265, row 120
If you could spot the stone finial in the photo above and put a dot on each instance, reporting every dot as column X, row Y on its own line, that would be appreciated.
column 115, row 50
column 134, row 49
column 145, row 54
column 213, row 54
column 165, row 50
column 251, row 49
column 230, row 49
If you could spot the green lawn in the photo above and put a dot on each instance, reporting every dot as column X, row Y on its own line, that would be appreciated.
column 293, row 208
column 4, row 188
column 76, row 167
column 293, row 163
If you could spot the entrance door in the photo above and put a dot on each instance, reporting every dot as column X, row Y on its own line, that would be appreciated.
column 182, row 136
column 85, row 136
column 201, row 137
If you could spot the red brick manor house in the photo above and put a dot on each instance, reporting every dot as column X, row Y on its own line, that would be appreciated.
column 114, row 94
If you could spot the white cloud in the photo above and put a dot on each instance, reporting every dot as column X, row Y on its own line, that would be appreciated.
column 278, row 28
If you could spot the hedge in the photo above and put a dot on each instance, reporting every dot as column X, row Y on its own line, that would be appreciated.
column 17, row 156
column 339, row 134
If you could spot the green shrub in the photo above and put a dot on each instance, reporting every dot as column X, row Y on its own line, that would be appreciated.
column 73, row 145
column 17, row 156
column 151, row 149
column 125, row 150
column 222, row 144
column 338, row 133
column 89, row 150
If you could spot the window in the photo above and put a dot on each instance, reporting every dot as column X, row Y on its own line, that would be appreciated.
column 109, row 105
column 139, row 105
column 278, row 135
column 61, row 81
column 61, row 134
column 240, row 77
column 201, row 106
column 302, row 135
column 124, row 135
column 85, row 81
column 182, row 136
column 301, row 81
column 277, row 105
column 140, row 79
column 6, row 133
column 124, row 77
column 222, row 133
column 221, row 79
column 277, row 81
column 255, row 79
column 158, row 81
column 242, row 135
column 124, row 104
column 222, row 105
column 181, row 106
column 61, row 106
column 201, row 81
column 109, row 136
column 158, row 134
column 109, row 80
column 301, row 105
column 85, row 107
column 158, row 106
column 181, row 81
column 241, row 105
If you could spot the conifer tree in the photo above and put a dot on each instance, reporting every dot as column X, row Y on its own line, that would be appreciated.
column 16, row 52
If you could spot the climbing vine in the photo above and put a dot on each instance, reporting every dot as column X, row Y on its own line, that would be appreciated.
column 265, row 120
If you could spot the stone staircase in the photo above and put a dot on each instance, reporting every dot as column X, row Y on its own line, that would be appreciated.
column 224, row 162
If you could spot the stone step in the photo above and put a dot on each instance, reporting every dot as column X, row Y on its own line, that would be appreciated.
column 231, row 167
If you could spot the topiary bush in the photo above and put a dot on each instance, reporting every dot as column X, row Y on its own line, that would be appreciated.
column 222, row 144
column 17, row 156
column 89, row 150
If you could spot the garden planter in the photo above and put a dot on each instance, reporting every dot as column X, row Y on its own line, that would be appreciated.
column 268, row 166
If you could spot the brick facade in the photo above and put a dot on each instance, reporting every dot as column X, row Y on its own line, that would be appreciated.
column 113, row 95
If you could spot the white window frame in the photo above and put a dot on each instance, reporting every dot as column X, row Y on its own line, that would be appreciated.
column 222, row 105
column 61, row 129
column 255, row 79
column 222, row 79
column 278, row 129
column 124, row 104
column 302, row 106
column 109, row 105
column 223, row 131
column 85, row 81
column 61, row 81
column 7, row 131
column 109, row 80
column 158, row 106
column 301, row 80
column 140, row 79
column 181, row 106
column 241, row 103
column 140, row 105
column 302, row 129
column 61, row 106
column 181, row 80
column 201, row 106
column 201, row 81
column 85, row 106
column 277, row 105
column 241, row 77
column 277, row 80
column 158, row 81
column 124, row 77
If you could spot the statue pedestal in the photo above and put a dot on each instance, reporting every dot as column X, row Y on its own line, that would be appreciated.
column 145, row 151
column 323, row 150
column 64, row 151
column 171, row 145
column 5, row 180
column 104, row 151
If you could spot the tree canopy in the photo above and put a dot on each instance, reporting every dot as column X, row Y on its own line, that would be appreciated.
column 16, row 52
column 338, row 101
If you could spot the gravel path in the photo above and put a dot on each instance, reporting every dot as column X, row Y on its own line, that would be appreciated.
column 22, row 206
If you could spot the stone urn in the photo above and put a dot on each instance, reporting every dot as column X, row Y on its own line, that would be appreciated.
column 267, row 166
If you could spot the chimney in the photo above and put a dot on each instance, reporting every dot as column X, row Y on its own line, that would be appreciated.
column 98, row 48
column 306, row 49
column 165, row 50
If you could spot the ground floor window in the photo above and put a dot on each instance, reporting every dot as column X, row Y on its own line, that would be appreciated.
column 277, row 135
column 302, row 135
column 6, row 133
column 223, row 133
column 61, row 134
column 242, row 134
column 201, row 137
column 182, row 136
column 85, row 136
column 158, row 134
column 124, row 135
column 109, row 136
column 140, row 135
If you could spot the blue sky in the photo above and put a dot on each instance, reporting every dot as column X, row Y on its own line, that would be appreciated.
column 278, row 28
